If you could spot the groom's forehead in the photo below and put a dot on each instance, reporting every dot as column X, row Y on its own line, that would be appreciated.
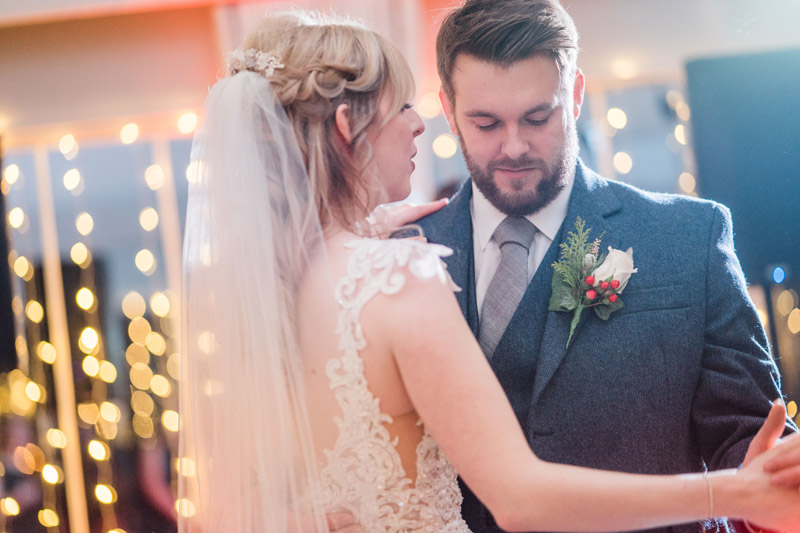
column 523, row 85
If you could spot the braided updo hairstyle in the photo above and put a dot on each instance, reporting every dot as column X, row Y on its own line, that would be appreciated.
column 328, row 62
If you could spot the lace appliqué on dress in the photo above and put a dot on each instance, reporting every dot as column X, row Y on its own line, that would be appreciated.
column 364, row 474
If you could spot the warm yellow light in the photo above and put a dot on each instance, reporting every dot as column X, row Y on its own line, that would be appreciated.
column 192, row 172
column 137, row 353
column 683, row 111
column 623, row 69
column 687, row 182
column 170, row 420
column 72, row 178
column 617, row 118
column 108, row 372
column 205, row 341
column 142, row 403
column 84, row 298
column 174, row 366
column 762, row 317
column 34, row 311
column 155, row 343
column 429, row 105
column 675, row 98
column 16, row 304
column 148, row 219
column 143, row 426
column 185, row 467
column 99, row 451
column 48, row 518
column 90, row 365
column 117, row 530
column 160, row 386
column 67, row 144
column 9, row 506
column 791, row 409
column 680, row 133
column 138, row 330
column 159, row 303
column 79, row 254
column 23, row 268
column 140, row 376
column 88, row 412
column 33, row 391
column 11, row 174
column 129, row 133
column 107, row 430
column 623, row 162
column 187, row 122
column 787, row 300
column 145, row 261
column 185, row 507
column 21, row 346
column 50, row 474
column 154, row 177
column 110, row 412
column 105, row 493
column 84, row 223
column 16, row 218
column 133, row 305
column 56, row 438
column 89, row 340
column 445, row 146
column 794, row 321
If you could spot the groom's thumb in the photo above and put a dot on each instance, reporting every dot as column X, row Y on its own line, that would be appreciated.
column 770, row 431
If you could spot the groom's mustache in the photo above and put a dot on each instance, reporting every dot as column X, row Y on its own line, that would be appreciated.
column 518, row 164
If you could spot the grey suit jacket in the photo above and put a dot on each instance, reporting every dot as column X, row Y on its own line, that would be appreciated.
column 679, row 378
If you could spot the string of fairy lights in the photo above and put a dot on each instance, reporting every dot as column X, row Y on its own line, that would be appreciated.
column 150, row 357
column 130, row 398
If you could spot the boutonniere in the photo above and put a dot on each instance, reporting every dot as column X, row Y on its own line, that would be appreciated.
column 583, row 278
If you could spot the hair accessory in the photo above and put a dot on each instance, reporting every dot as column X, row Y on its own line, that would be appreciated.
column 264, row 63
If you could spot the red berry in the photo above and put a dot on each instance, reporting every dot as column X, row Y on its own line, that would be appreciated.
column 613, row 298
column 615, row 284
column 589, row 280
column 591, row 294
column 604, row 285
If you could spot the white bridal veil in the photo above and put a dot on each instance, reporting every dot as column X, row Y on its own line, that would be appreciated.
column 251, row 228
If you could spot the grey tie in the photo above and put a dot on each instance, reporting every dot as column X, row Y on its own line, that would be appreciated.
column 514, row 235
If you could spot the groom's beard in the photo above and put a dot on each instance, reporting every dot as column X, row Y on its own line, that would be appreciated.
column 556, row 175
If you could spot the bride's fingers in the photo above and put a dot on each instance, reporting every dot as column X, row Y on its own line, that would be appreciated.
column 400, row 214
column 786, row 454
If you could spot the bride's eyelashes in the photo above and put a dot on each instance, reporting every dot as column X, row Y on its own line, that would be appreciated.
column 406, row 107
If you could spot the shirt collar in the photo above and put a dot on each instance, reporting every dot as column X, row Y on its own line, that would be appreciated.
column 486, row 217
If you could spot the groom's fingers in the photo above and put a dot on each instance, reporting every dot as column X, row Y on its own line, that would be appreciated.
column 788, row 455
column 769, row 433
column 397, row 215
column 342, row 523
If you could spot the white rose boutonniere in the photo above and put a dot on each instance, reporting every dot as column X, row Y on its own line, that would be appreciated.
column 582, row 278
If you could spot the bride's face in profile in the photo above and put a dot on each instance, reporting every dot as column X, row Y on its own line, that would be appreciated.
column 393, row 148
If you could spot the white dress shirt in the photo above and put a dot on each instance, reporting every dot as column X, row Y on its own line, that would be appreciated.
column 486, row 218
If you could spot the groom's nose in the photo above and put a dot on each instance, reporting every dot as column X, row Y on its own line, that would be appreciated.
column 514, row 145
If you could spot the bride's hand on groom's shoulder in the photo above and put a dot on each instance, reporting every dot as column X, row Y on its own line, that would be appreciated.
column 387, row 218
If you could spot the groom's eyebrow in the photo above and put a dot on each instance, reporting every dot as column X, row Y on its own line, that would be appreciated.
column 548, row 106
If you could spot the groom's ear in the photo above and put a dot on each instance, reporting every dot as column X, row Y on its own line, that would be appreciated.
column 447, row 107
column 342, row 117
column 577, row 93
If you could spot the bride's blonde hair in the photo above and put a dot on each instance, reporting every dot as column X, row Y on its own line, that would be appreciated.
column 327, row 62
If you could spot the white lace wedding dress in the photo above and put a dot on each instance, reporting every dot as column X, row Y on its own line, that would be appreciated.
column 364, row 474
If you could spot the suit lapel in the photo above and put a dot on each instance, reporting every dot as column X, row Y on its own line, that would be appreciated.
column 593, row 201
column 453, row 228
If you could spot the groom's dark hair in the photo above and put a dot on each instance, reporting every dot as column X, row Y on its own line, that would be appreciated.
column 504, row 32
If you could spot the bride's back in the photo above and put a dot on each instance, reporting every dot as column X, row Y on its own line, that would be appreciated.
column 328, row 327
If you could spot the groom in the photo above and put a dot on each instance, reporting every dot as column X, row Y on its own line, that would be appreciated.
column 678, row 380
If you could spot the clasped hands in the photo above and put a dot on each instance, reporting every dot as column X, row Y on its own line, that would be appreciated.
column 771, row 469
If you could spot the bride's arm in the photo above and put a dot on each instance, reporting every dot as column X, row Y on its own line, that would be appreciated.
column 463, row 406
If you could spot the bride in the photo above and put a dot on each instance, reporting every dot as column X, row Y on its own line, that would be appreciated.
column 329, row 373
